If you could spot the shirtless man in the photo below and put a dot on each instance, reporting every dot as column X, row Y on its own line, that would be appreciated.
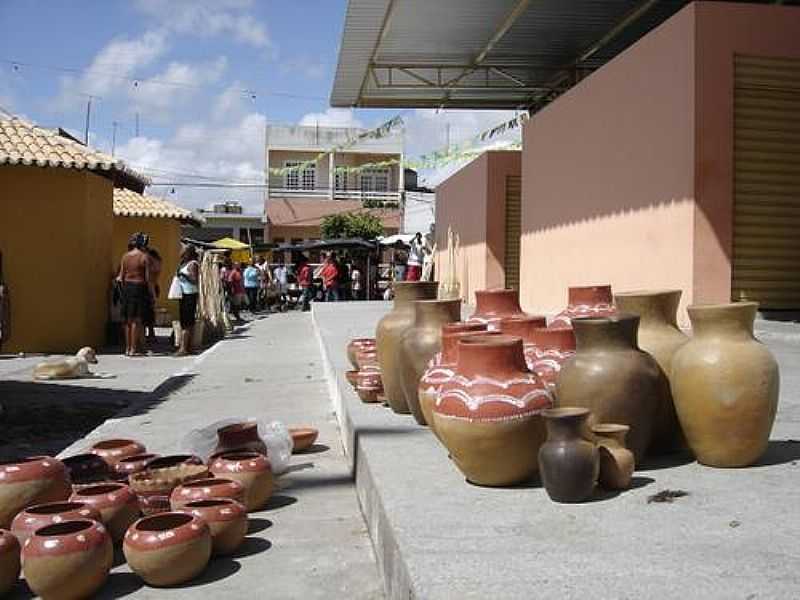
column 137, row 291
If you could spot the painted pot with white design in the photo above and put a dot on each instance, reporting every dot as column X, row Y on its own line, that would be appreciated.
column 30, row 481
column 585, row 301
column 550, row 349
column 116, row 503
column 227, row 520
column 494, row 305
column 489, row 414
column 206, row 489
column 41, row 515
column 252, row 470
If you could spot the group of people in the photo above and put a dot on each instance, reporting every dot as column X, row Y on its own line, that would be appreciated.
column 245, row 284
column 414, row 263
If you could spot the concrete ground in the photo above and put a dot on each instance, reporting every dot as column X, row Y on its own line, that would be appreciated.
column 735, row 535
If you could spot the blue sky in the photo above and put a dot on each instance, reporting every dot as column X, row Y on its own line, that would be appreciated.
column 204, row 76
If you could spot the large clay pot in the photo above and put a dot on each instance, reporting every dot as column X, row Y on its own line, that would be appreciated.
column 488, row 414
column 206, row 489
column 168, row 549
column 369, row 384
column 585, row 301
column 491, row 306
column 522, row 326
column 616, row 461
column 568, row 464
column 367, row 357
column 40, row 515
column 68, row 561
column 419, row 345
column 252, row 470
column 550, row 349
column 240, row 437
column 611, row 377
column 153, row 486
column 227, row 520
column 354, row 345
column 659, row 336
column 30, row 481
column 116, row 503
column 389, row 334
column 113, row 451
column 132, row 464
column 87, row 469
column 725, row 384
column 9, row 561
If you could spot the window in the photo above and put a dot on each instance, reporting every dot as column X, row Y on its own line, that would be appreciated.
column 375, row 180
column 292, row 178
column 341, row 180
column 310, row 177
column 296, row 179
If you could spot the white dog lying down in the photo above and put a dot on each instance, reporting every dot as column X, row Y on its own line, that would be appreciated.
column 72, row 367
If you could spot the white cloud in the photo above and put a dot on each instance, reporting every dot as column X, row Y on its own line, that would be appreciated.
column 332, row 117
column 303, row 65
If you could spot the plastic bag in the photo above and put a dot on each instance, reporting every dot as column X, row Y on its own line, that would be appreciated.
column 275, row 435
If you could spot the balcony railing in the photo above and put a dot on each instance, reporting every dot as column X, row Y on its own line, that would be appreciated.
column 322, row 193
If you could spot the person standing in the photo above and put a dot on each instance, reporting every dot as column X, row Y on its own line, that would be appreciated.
column 415, row 258
column 236, row 282
column 252, row 279
column 189, row 278
column 134, row 276
column 400, row 260
column 355, row 278
column 330, row 278
column 281, row 279
column 304, row 275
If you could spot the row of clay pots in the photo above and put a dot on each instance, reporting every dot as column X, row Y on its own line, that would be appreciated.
column 365, row 377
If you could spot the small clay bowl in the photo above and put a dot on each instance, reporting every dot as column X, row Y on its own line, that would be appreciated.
column 252, row 470
column 41, row 515
column 132, row 464
column 227, row 520
column 303, row 438
column 351, row 376
column 116, row 502
column 86, row 469
column 153, row 487
column 9, row 561
column 206, row 489
column 113, row 451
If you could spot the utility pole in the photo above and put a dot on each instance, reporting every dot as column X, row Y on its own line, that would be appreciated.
column 137, row 124
column 113, row 137
column 88, row 117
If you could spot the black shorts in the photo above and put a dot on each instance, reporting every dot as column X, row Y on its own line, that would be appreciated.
column 188, row 310
column 135, row 301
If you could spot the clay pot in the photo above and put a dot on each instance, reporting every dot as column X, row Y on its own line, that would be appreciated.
column 585, row 301
column 491, row 306
column 41, row 515
column 369, row 383
column 568, row 464
column 351, row 377
column 30, row 481
column 616, row 461
column 116, row 503
column 356, row 344
column 522, row 326
column 168, row 549
column 227, row 520
column 67, row 561
column 153, row 486
column 9, row 561
column 611, row 377
column 206, row 489
column 303, row 438
column 420, row 344
column 488, row 414
column 130, row 465
column 389, row 334
column 113, row 451
column 174, row 460
column 240, row 437
column 659, row 336
column 725, row 384
column 87, row 469
column 550, row 349
column 367, row 357
column 250, row 469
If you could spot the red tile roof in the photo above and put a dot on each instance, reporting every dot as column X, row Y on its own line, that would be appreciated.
column 300, row 212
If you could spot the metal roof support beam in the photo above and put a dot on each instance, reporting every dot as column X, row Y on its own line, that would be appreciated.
column 384, row 26
column 518, row 9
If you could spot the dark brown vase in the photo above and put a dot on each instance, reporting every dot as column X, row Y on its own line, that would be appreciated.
column 419, row 345
column 659, row 336
column 389, row 334
column 611, row 377
column 586, row 301
column 239, row 437
column 568, row 464
column 491, row 306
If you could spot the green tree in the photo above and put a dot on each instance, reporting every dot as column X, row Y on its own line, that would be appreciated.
column 351, row 225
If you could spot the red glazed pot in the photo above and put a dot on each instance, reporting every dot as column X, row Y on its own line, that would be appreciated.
column 493, row 305
column 303, row 438
column 240, row 437
column 9, row 561
column 351, row 377
column 168, row 549
column 586, row 301
column 68, row 560
column 154, row 486
column 86, row 469
column 551, row 348
column 355, row 345
column 113, row 451
column 489, row 414
column 227, row 520
column 133, row 464
column 367, row 357
column 174, row 460
column 252, row 470
column 369, row 383
column 206, row 489
column 116, row 503
column 30, row 481
column 41, row 515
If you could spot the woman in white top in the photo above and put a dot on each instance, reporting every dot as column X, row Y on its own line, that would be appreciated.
column 189, row 277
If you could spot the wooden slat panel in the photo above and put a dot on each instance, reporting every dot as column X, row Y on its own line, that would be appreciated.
column 513, row 229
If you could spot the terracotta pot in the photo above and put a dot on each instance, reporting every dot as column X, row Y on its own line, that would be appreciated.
column 660, row 336
column 174, row 460
column 227, row 520
column 113, row 451
column 250, row 469
column 133, row 464
column 488, row 414
column 153, row 486
column 586, row 301
column 369, row 383
column 240, row 437
column 303, row 438
column 351, row 377
column 30, row 481
column 168, row 549
column 69, row 560
column 550, row 349
column 356, row 344
column 367, row 357
column 568, row 464
column 611, row 377
column 87, row 469
column 420, row 344
column 389, row 334
column 116, row 503
column 616, row 461
column 9, row 561
column 206, row 489
column 40, row 515
column 491, row 306
column 725, row 385
column 522, row 326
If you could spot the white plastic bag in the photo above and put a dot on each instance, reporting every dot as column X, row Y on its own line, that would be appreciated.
column 175, row 290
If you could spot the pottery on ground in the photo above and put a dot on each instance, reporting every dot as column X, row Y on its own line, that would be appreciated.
column 303, row 438
column 116, row 503
column 153, row 486
column 522, row 326
column 488, row 414
column 351, row 377
column 9, row 561
column 367, row 357
column 40, row 515
column 616, row 461
column 568, row 464
column 174, row 460
column 419, row 345
column 206, row 489
column 725, row 384
column 68, row 561
column 369, row 384
column 611, row 377
column 355, row 345
column 389, row 334
column 130, row 465
column 586, row 301
column 550, row 349
column 168, row 549
column 87, row 469
column 114, row 450
column 227, row 520
column 30, row 481
column 252, row 470
column 240, row 437
column 491, row 306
